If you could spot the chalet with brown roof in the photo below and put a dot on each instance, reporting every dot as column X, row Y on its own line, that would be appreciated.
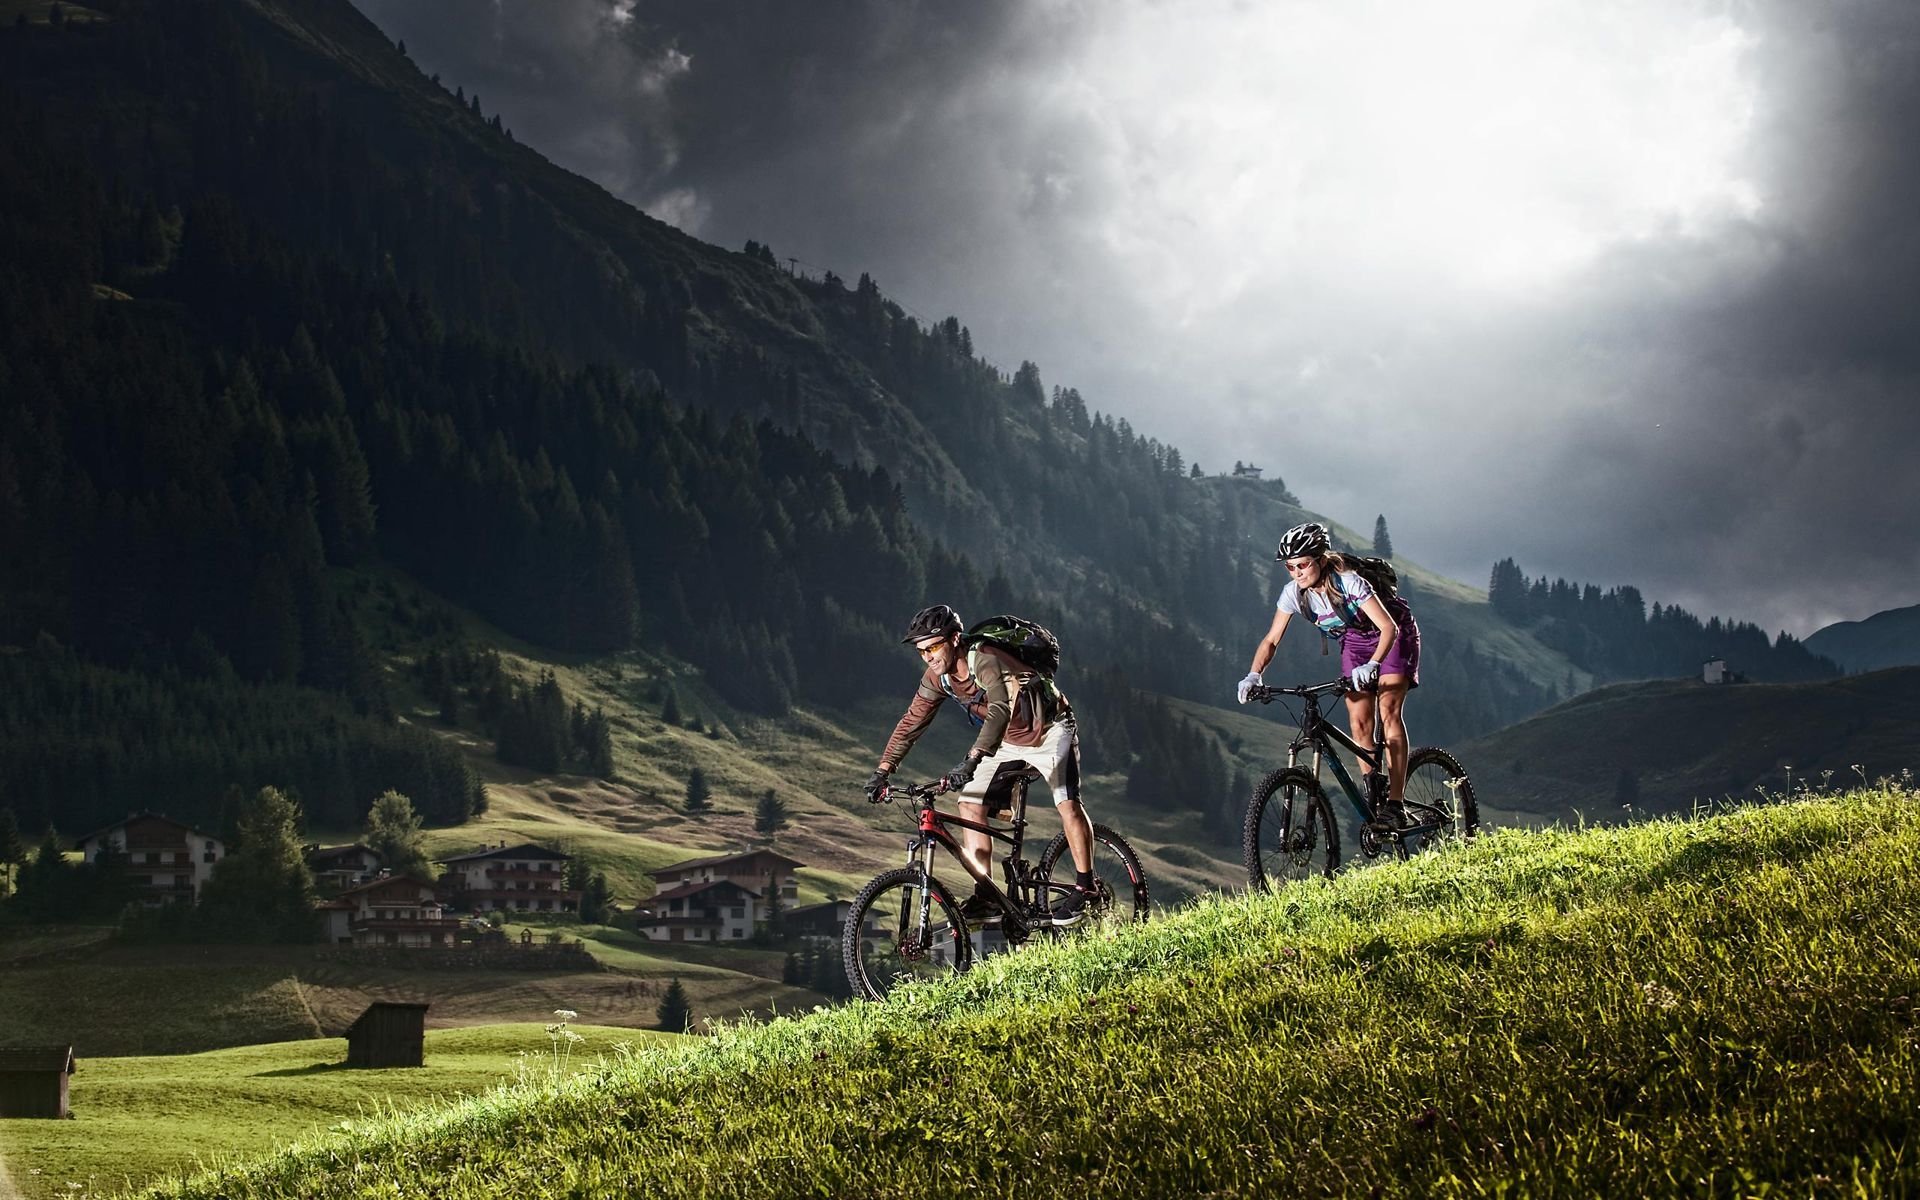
column 337, row 868
column 33, row 1081
column 163, row 859
column 393, row 910
column 523, row 878
column 712, row 910
column 718, row 898
column 754, row 870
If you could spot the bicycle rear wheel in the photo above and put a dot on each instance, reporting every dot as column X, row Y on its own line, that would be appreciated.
column 903, row 926
column 1289, row 832
column 1116, row 868
column 1439, row 798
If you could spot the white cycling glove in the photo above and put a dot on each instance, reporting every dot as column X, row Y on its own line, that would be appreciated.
column 1365, row 676
column 1252, row 681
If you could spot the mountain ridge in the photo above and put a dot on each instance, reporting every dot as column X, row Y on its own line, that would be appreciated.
column 1885, row 639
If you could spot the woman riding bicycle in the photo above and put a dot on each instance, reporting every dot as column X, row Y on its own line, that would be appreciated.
column 1379, row 641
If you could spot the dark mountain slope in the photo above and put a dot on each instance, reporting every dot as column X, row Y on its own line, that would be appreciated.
column 1660, row 745
column 1887, row 639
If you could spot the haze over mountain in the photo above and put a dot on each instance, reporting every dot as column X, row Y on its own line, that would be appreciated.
column 1626, row 272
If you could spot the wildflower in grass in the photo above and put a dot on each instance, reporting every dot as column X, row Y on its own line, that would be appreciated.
column 1658, row 996
column 563, row 1040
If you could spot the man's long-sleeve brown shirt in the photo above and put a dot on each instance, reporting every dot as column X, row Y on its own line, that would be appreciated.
column 1008, row 712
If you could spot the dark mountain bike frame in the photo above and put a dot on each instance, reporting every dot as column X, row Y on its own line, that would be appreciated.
column 1321, row 735
column 1028, row 895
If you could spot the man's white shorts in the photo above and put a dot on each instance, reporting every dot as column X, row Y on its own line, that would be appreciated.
column 1056, row 758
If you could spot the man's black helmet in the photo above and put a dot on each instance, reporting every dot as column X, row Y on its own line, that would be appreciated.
column 938, row 621
column 1304, row 540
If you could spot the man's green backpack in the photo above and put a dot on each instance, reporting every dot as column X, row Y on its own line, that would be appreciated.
column 1029, row 641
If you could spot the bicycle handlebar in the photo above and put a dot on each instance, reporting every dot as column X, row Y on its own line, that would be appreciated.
column 924, row 792
column 1266, row 694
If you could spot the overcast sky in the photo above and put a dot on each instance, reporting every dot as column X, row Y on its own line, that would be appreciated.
column 1626, row 291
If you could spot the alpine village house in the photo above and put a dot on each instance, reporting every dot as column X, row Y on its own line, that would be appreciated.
column 719, row 898
column 163, row 859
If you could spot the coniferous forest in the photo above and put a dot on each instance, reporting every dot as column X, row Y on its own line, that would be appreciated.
column 276, row 309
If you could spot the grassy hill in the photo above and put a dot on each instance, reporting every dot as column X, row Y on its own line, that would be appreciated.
column 1681, row 740
column 1709, row 1007
column 814, row 759
column 135, row 1118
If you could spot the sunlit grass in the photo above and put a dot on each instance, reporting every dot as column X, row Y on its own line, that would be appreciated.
column 1673, row 1008
column 135, row 1118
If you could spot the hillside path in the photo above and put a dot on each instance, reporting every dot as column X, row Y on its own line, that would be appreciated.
column 7, row 1190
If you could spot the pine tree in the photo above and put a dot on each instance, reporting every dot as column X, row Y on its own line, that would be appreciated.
column 1382, row 543
column 770, row 816
column 790, row 971
column 670, row 708
column 46, row 883
column 675, row 1013
column 393, row 831
column 599, row 744
column 596, row 895
column 699, row 794
column 263, row 891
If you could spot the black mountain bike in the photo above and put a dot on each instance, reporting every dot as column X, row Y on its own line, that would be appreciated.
column 1290, row 831
column 907, row 925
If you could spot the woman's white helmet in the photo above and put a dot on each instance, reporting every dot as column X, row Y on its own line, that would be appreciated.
column 1303, row 541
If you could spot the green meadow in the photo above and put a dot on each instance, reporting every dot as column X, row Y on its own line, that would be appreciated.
column 135, row 1118
column 1720, row 1006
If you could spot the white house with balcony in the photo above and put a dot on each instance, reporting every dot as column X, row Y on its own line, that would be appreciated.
column 163, row 859
column 714, row 910
column 393, row 910
column 718, row 898
column 524, row 878
column 754, row 870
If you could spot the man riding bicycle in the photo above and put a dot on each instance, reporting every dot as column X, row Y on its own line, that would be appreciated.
column 1026, row 726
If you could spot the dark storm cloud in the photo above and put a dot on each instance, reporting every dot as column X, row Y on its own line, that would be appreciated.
column 1723, row 414
column 1782, row 483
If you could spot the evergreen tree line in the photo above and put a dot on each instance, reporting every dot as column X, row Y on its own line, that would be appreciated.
column 537, row 729
column 82, row 744
column 1616, row 635
column 532, row 726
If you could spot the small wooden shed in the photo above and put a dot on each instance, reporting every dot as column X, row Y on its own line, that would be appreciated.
column 388, row 1034
column 33, row 1081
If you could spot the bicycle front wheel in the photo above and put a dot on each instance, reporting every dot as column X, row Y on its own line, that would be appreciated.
column 1439, row 798
column 1289, row 832
column 903, row 926
column 1116, row 869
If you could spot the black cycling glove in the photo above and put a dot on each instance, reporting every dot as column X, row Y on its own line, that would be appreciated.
column 961, row 775
column 877, row 786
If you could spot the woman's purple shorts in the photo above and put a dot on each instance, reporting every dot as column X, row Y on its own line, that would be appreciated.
column 1403, row 657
